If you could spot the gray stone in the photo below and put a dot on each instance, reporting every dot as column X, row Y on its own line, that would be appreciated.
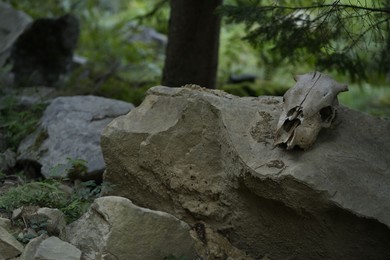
column 54, row 248
column 5, row 223
column 9, row 246
column 204, row 155
column 32, row 247
column 12, row 24
column 27, row 233
column 7, row 160
column 115, row 228
column 56, row 221
column 17, row 213
column 71, row 128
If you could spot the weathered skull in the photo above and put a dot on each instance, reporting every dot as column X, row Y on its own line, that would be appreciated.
column 308, row 106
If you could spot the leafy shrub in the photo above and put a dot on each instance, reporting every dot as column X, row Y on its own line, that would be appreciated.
column 42, row 193
column 16, row 121
column 48, row 193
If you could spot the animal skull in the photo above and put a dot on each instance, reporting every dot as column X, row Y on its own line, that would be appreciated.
column 308, row 106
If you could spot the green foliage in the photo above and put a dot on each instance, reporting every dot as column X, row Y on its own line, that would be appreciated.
column 2, row 175
column 368, row 99
column 282, row 39
column 43, row 193
column 16, row 121
column 350, row 38
column 48, row 193
column 73, row 169
column 78, row 167
column 236, row 56
column 255, row 89
column 116, row 67
column 35, row 226
column 39, row 8
column 82, row 197
column 121, row 92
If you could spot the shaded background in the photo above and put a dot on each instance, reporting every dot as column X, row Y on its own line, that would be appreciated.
column 123, row 46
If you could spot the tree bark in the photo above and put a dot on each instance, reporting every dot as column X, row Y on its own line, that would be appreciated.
column 193, row 41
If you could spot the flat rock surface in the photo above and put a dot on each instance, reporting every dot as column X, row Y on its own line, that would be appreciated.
column 71, row 128
column 206, row 155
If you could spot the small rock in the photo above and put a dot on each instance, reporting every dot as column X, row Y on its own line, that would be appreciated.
column 54, row 248
column 115, row 225
column 27, row 234
column 9, row 246
column 56, row 222
column 5, row 223
column 16, row 213
column 7, row 160
column 32, row 247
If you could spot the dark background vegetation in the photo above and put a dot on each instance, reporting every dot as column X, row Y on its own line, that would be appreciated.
column 272, row 40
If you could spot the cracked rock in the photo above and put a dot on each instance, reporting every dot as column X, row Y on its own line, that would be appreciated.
column 206, row 156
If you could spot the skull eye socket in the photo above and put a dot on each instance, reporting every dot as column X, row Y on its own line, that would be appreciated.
column 326, row 114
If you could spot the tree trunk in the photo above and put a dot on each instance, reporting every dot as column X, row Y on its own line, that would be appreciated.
column 193, row 41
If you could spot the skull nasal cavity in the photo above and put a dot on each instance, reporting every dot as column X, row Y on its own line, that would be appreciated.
column 294, row 111
column 291, row 124
column 326, row 114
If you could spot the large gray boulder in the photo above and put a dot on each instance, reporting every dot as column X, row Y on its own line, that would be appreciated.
column 204, row 155
column 115, row 228
column 71, row 128
column 12, row 24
